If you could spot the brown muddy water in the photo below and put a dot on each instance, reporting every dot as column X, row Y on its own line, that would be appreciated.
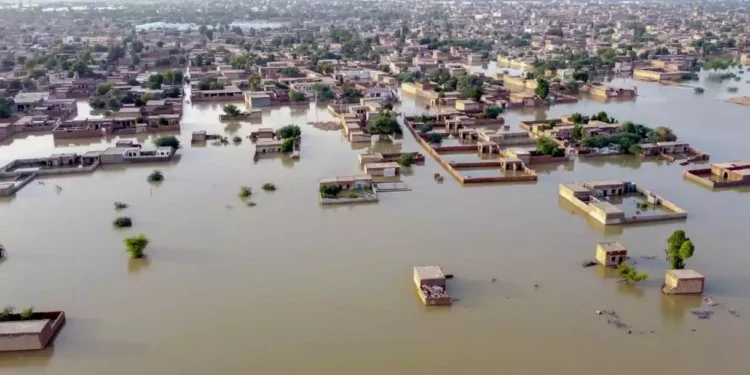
column 290, row 287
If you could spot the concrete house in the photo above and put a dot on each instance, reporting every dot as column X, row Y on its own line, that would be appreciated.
column 611, row 254
column 390, row 169
column 735, row 173
column 32, row 334
column 683, row 282
column 430, row 282
column 268, row 145
column 348, row 182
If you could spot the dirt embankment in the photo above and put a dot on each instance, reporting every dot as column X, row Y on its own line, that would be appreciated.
column 744, row 100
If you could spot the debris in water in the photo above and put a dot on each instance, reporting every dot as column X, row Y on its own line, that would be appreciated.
column 58, row 188
column 493, row 280
column 228, row 207
column 734, row 312
column 702, row 314
column 598, row 312
column 327, row 125
column 588, row 263
column 710, row 301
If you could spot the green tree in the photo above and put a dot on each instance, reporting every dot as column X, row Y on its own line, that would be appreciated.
column 287, row 145
column 245, row 191
column 254, row 82
column 406, row 159
column 297, row 96
column 173, row 76
column 547, row 146
column 330, row 191
column 155, row 176
column 136, row 246
column 577, row 132
column 155, row 81
column 383, row 123
column 664, row 134
column 631, row 274
column 679, row 249
column 542, row 88
column 27, row 313
column 289, row 131
column 167, row 141
column 492, row 112
column 231, row 110
column 435, row 138
column 123, row 222
column 6, row 107
column 103, row 88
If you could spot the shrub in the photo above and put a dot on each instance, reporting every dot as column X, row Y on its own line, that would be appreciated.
column 123, row 222
column 136, row 245
column 6, row 312
column 352, row 195
column 245, row 191
column 237, row 139
column 330, row 191
column 168, row 141
column 435, row 138
column 251, row 204
column 630, row 274
column 406, row 160
column 120, row 206
column 425, row 128
column 156, row 176
column 269, row 186
column 699, row 90
column 27, row 313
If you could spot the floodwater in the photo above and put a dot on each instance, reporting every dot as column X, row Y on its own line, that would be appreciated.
column 289, row 287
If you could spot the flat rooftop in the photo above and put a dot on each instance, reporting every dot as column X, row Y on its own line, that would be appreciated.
column 686, row 274
column 345, row 179
column 382, row 165
column 430, row 272
column 268, row 142
column 23, row 327
column 611, row 246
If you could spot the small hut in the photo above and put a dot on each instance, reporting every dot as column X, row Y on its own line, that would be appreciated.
column 611, row 254
column 683, row 282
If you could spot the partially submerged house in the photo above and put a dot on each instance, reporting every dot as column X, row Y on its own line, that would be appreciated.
column 430, row 282
column 683, row 282
column 388, row 169
column 603, row 201
column 611, row 254
column 735, row 173
column 35, row 333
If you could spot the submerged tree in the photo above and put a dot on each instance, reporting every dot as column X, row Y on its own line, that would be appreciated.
column 136, row 245
column 406, row 160
column 245, row 191
column 630, row 274
column 542, row 88
column 155, row 176
column 123, row 222
column 168, row 141
column 679, row 249
column 289, row 131
column 231, row 110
